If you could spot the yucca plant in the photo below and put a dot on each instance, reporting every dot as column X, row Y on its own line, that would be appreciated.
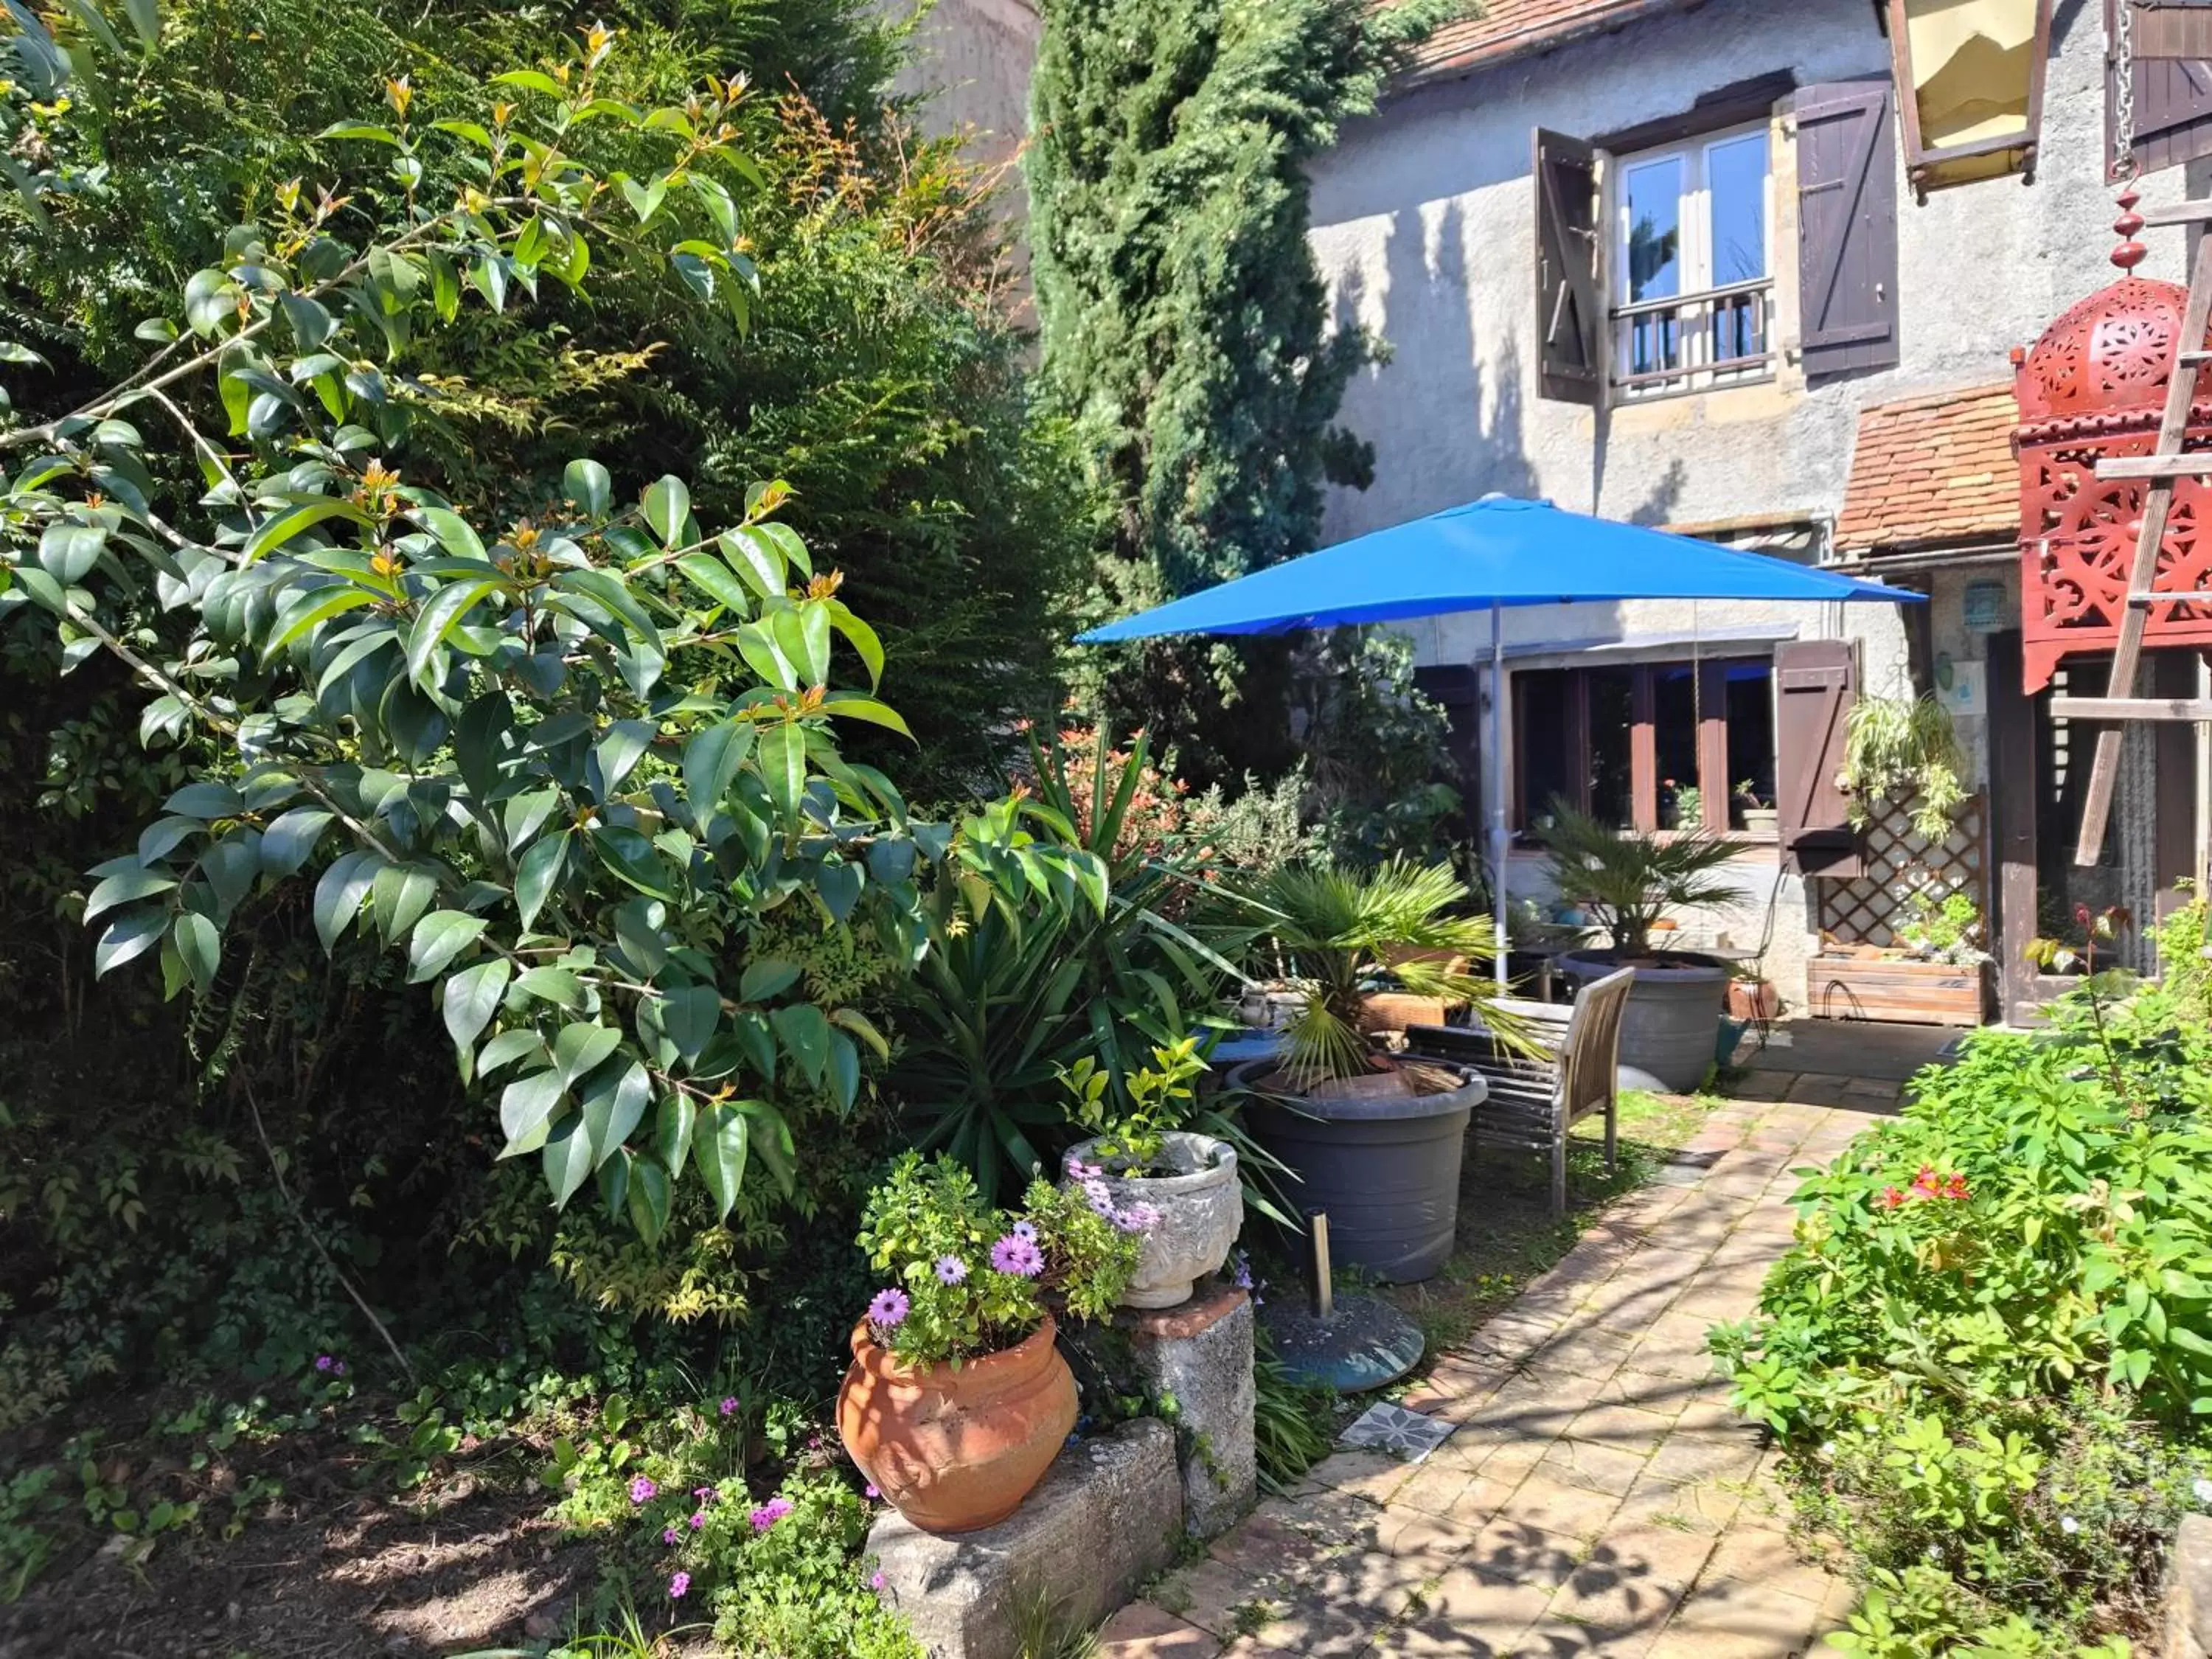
column 1026, row 973
column 1344, row 930
column 1628, row 882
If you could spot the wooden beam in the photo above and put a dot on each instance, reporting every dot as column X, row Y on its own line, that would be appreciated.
column 2198, row 466
column 2170, row 32
column 2127, row 652
column 2181, row 213
column 2132, row 708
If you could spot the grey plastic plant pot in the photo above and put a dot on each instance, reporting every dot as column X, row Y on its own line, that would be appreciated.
column 1386, row 1170
column 1671, row 1026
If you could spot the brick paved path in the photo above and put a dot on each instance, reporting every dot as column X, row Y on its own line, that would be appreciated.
column 1599, row 1497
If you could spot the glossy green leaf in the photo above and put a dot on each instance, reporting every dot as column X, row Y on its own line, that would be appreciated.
column 129, row 935
column 711, row 761
column 472, row 998
column 767, row 977
column 783, row 769
column 274, row 532
column 199, row 947
column 719, row 1140
column 614, row 1106
column 286, row 843
column 438, row 938
column 580, row 1047
column 672, row 1133
column 667, row 506
column 648, row 1199
column 623, row 747
column 434, row 623
column 124, row 888
column 339, row 894
column 554, row 985
column 586, row 483
column 536, row 874
column 804, row 1032
column 526, row 1108
column 631, row 857
column 568, row 1161
column 689, row 1015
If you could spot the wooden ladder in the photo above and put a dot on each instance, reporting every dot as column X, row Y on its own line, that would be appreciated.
column 2166, row 463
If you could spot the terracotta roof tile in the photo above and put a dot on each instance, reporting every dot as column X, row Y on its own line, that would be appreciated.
column 1507, row 29
column 1935, row 468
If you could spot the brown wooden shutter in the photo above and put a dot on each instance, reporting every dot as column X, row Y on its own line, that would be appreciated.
column 1570, row 299
column 2173, row 105
column 1847, row 227
column 1816, row 682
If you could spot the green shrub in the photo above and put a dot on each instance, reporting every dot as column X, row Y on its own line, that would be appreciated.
column 1990, row 1351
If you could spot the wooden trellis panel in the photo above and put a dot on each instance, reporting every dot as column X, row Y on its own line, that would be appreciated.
column 1867, row 910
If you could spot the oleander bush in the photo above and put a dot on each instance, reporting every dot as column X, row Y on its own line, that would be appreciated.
column 1990, row 1352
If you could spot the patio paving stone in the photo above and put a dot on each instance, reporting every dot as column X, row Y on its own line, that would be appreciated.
column 1599, row 1495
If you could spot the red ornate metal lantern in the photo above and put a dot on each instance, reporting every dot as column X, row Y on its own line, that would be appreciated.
column 2092, row 387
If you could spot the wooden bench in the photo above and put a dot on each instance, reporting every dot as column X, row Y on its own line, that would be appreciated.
column 1566, row 1066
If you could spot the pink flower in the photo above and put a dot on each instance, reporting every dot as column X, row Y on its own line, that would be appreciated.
column 875, row 1580
column 670, row 1536
column 322, row 1362
column 770, row 1513
column 698, row 1519
column 642, row 1490
column 677, row 1585
column 873, row 1492
column 1890, row 1199
column 730, row 1407
column 1018, row 1255
column 889, row 1309
column 704, row 1494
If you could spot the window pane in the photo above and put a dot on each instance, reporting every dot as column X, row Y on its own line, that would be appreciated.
column 1750, row 697
column 1540, row 711
column 1612, row 712
column 1653, row 190
column 1674, row 718
column 1736, row 181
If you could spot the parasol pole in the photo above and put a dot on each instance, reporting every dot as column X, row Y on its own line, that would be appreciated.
column 1497, row 769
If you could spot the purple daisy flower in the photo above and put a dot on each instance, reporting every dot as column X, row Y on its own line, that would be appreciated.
column 889, row 1310
column 322, row 1362
column 669, row 1536
column 677, row 1585
column 642, row 1490
column 951, row 1270
column 770, row 1513
column 1096, row 1195
column 1078, row 1170
column 1025, row 1229
column 1137, row 1218
column 698, row 1519
column 1018, row 1255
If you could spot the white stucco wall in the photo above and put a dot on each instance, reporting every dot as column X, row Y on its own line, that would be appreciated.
column 1425, row 227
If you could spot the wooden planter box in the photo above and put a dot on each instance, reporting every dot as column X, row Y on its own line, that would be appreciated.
column 1909, row 993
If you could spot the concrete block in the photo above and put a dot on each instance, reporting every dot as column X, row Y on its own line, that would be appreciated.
column 2188, row 1591
column 1199, row 1355
column 1106, row 1518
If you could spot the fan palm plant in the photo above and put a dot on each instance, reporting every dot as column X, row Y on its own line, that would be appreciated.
column 1345, row 929
column 1629, row 882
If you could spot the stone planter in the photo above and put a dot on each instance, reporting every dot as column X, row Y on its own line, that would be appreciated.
column 1672, row 1018
column 956, row 1447
column 1201, row 1207
column 1385, row 1167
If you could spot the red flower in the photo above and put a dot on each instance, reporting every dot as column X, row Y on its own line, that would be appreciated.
column 1955, row 1187
column 1890, row 1199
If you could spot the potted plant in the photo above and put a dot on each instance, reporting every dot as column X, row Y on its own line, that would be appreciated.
column 1903, row 750
column 1149, row 1174
column 1627, row 884
column 1934, row 975
column 1761, row 816
column 1374, row 1142
column 956, row 1400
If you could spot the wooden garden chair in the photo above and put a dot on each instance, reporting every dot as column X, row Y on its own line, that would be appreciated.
column 1566, row 1067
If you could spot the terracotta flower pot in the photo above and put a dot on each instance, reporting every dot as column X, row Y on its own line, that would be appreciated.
column 956, row 1448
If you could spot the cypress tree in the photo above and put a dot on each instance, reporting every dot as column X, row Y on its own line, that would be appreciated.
column 1183, row 320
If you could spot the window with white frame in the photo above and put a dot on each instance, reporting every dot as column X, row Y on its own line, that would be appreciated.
column 1693, row 273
